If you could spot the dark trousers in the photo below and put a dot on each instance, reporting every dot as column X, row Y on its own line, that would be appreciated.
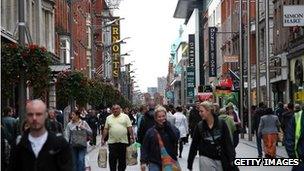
column 94, row 134
column 236, row 139
column 259, row 144
column 117, row 155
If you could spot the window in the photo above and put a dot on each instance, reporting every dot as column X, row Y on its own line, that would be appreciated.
column 65, row 57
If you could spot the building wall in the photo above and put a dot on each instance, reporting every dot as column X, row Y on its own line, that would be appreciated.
column 39, row 20
column 81, row 10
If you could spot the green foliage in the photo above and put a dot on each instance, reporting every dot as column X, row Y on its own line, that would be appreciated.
column 92, row 91
column 33, row 61
column 72, row 84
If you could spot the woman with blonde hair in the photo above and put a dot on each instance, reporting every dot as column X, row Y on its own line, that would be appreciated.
column 212, row 139
column 158, row 150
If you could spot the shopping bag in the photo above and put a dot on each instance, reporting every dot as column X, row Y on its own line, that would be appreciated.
column 78, row 138
column 87, row 163
column 132, row 155
column 102, row 157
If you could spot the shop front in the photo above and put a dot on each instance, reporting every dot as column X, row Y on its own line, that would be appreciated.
column 297, row 79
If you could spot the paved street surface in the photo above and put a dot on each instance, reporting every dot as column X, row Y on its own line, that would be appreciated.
column 245, row 149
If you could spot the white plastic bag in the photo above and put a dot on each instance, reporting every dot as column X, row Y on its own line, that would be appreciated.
column 102, row 157
column 131, row 155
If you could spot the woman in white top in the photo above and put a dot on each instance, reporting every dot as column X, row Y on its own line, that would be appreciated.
column 182, row 124
column 79, row 151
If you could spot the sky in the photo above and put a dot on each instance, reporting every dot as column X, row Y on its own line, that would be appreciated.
column 152, row 29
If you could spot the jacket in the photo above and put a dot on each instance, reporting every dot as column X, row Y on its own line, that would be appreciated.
column 290, row 139
column 181, row 124
column 269, row 124
column 286, row 117
column 146, row 123
column 54, row 126
column 214, row 143
column 230, row 124
column 55, row 155
column 194, row 119
column 150, row 151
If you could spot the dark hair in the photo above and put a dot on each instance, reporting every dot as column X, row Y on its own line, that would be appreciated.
column 269, row 111
column 7, row 110
column 179, row 109
column 143, row 107
column 261, row 104
column 290, row 106
column 77, row 113
column 280, row 105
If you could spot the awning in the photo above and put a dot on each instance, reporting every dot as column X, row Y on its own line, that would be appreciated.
column 184, row 8
column 59, row 68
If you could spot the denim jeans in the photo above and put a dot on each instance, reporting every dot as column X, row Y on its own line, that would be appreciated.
column 79, row 158
column 153, row 167
column 259, row 144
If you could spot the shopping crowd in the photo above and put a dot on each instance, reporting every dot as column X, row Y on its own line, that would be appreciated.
column 43, row 143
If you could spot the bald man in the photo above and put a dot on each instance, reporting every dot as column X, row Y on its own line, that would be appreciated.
column 39, row 149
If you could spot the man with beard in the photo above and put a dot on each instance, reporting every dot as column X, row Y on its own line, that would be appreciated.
column 38, row 148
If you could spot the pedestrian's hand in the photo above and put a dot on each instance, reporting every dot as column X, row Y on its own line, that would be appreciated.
column 131, row 140
column 102, row 143
column 143, row 167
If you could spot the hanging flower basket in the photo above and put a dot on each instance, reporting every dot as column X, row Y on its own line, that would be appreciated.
column 31, row 60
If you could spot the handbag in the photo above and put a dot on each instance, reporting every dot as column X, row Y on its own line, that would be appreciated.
column 168, row 164
column 78, row 138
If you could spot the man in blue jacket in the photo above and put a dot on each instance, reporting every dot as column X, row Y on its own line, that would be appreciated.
column 294, row 141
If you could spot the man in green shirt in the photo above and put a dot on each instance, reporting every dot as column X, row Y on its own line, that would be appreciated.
column 117, row 127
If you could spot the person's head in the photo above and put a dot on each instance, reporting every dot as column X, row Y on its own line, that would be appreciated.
column 76, row 115
column 126, row 110
column 92, row 112
column 151, row 104
column 36, row 114
column 197, row 104
column 222, row 111
column 280, row 105
column 297, row 107
column 206, row 109
column 160, row 115
column 290, row 106
column 269, row 111
column 116, row 110
column 229, row 108
column 216, row 108
column 143, row 109
column 7, row 111
column 52, row 113
column 179, row 109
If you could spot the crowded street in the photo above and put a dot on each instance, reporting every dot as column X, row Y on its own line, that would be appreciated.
column 159, row 85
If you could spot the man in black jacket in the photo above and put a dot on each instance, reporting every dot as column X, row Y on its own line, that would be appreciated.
column 92, row 120
column 256, row 122
column 146, row 123
column 194, row 117
column 39, row 149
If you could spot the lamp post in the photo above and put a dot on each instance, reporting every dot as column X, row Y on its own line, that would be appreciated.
column 21, row 40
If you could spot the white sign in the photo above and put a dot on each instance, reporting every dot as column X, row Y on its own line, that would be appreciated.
column 293, row 15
